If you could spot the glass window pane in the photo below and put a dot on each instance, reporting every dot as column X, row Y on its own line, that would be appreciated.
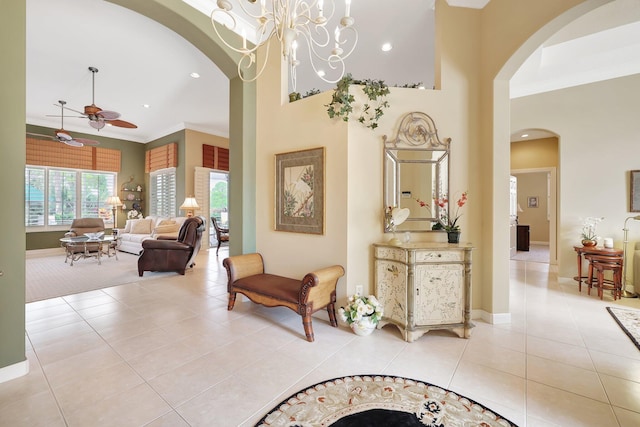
column 34, row 192
column 96, row 187
column 62, row 196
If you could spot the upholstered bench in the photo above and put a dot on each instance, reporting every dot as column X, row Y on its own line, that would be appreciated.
column 314, row 292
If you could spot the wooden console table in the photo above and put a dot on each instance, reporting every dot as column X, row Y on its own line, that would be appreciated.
column 424, row 286
column 595, row 250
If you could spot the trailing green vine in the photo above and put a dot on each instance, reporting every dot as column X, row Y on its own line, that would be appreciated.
column 341, row 104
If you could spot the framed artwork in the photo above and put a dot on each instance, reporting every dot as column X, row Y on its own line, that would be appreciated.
column 634, row 198
column 532, row 201
column 300, row 191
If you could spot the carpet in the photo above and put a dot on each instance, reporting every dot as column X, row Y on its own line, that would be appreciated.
column 368, row 400
column 50, row 277
column 629, row 321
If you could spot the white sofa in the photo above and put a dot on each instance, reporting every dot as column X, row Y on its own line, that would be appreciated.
column 136, row 230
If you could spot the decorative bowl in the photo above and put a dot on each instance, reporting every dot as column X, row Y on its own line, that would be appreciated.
column 94, row 236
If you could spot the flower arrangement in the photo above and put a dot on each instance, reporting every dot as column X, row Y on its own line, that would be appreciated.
column 451, row 224
column 134, row 214
column 360, row 307
column 589, row 228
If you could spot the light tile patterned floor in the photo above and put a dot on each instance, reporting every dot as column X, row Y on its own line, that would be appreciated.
column 167, row 353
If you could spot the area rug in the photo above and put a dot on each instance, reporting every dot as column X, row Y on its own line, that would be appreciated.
column 629, row 321
column 371, row 400
column 50, row 277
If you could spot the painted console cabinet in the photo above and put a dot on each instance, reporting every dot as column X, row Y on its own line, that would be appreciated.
column 424, row 286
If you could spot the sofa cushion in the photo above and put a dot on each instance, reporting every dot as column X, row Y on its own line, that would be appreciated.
column 141, row 226
column 166, row 228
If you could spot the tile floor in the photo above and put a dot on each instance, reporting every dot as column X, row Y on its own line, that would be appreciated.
column 168, row 353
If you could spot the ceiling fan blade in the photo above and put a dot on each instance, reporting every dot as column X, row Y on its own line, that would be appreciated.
column 85, row 141
column 108, row 115
column 122, row 124
column 63, row 135
column 39, row 135
column 73, row 143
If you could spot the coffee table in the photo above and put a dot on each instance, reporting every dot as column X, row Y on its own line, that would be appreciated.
column 82, row 247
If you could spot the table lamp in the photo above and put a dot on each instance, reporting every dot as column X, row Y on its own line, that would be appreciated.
column 189, row 205
column 114, row 201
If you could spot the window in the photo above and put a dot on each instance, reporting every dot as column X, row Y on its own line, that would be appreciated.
column 163, row 192
column 55, row 196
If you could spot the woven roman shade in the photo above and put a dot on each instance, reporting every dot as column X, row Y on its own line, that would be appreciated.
column 51, row 153
column 162, row 157
column 215, row 157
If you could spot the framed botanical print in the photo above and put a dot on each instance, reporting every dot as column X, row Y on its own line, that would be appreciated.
column 532, row 202
column 300, row 191
column 634, row 205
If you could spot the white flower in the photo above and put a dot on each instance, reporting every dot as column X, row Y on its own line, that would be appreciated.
column 359, row 307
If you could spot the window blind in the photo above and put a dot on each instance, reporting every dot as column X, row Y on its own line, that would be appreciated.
column 215, row 157
column 57, row 154
column 162, row 157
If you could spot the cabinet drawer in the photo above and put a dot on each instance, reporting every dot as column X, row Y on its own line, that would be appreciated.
column 439, row 256
column 391, row 254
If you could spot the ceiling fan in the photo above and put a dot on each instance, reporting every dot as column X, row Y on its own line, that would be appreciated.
column 98, row 117
column 62, row 135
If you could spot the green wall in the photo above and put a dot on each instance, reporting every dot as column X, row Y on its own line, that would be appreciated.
column 12, row 254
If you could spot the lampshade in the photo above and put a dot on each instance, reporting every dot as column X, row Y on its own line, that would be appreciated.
column 189, row 205
column 113, row 201
column 520, row 208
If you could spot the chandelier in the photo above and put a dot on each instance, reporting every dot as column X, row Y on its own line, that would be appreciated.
column 295, row 24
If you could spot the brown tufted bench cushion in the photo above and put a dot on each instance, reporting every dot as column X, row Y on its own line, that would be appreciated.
column 315, row 291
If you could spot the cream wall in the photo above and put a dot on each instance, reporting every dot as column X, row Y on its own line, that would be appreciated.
column 473, row 46
column 598, row 127
column 534, row 185
column 534, row 153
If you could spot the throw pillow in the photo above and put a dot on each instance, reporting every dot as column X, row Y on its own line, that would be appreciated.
column 127, row 226
column 166, row 222
column 141, row 226
column 165, row 229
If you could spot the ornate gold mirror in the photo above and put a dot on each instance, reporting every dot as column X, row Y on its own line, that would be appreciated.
column 416, row 169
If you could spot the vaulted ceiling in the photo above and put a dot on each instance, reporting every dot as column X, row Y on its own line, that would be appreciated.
column 140, row 62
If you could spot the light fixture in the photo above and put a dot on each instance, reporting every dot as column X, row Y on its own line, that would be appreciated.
column 386, row 47
column 189, row 205
column 625, row 293
column 114, row 202
column 292, row 23
column 195, row 75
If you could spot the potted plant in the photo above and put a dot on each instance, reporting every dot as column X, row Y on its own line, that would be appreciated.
column 362, row 314
column 451, row 223
column 588, row 235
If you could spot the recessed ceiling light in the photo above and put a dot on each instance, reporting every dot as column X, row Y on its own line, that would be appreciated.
column 195, row 75
column 524, row 135
column 146, row 105
column 321, row 73
column 386, row 47
column 422, row 88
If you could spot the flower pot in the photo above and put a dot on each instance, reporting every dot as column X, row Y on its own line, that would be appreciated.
column 588, row 242
column 453, row 236
column 363, row 327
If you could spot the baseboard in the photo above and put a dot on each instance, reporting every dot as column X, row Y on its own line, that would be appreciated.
column 14, row 371
column 491, row 318
column 38, row 253
column 535, row 242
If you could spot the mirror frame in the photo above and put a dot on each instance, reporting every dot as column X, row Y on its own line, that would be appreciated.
column 417, row 132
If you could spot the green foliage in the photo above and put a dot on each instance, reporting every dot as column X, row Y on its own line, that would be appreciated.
column 341, row 101
column 219, row 196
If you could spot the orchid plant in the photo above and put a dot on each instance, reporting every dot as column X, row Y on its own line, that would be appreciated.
column 589, row 228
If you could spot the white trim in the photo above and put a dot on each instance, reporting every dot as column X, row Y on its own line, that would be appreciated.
column 14, row 371
column 491, row 318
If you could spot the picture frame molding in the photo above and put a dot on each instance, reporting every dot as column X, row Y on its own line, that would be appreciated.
column 285, row 164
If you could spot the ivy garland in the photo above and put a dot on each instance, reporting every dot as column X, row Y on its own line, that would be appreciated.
column 341, row 100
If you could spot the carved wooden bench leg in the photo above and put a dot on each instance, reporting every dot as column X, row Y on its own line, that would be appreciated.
column 308, row 327
column 232, row 301
column 331, row 309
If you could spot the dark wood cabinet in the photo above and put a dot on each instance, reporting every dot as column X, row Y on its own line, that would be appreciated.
column 523, row 238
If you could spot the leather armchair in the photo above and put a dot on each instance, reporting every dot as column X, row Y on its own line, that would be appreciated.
column 173, row 255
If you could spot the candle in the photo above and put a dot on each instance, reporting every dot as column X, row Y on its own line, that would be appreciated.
column 348, row 7
column 608, row 242
column 320, row 7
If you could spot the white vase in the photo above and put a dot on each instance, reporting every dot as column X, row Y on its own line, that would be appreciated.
column 363, row 327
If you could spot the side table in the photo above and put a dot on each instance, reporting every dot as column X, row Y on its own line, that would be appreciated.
column 595, row 250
